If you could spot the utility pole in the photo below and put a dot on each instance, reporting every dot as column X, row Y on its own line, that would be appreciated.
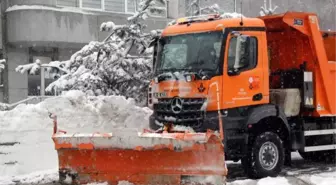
column 235, row 5
column 4, row 5
column 42, row 87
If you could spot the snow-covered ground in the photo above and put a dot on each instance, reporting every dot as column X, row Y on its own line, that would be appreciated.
column 27, row 154
column 25, row 132
column 300, row 173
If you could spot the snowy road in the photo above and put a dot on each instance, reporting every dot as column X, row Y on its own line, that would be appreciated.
column 300, row 173
column 26, row 146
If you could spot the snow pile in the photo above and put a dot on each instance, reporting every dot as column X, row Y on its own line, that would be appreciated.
column 323, row 178
column 27, row 129
column 264, row 181
column 231, row 15
column 40, row 177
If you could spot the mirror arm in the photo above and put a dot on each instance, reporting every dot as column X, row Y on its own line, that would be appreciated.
column 233, row 72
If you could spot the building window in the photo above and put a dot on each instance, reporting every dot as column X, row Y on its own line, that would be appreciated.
column 70, row 3
column 44, row 55
column 115, row 5
column 118, row 6
column 92, row 4
column 131, row 6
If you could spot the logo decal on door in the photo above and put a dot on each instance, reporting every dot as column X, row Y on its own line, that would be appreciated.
column 254, row 82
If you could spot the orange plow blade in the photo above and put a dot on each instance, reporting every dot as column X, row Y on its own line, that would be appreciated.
column 141, row 158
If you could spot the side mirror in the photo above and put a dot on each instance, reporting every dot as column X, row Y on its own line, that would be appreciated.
column 154, row 44
column 241, row 55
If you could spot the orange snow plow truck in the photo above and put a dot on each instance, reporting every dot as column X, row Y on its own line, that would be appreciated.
column 251, row 89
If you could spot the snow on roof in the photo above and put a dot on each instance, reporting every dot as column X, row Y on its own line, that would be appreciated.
column 39, row 7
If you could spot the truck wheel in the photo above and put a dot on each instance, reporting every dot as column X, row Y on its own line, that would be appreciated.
column 265, row 157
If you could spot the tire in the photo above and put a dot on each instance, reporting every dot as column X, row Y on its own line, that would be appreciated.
column 265, row 157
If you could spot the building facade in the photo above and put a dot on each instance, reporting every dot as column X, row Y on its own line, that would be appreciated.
column 51, row 30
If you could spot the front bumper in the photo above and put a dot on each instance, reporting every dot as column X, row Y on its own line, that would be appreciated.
column 235, row 138
column 209, row 121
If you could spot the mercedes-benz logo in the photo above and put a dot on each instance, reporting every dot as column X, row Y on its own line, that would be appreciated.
column 176, row 105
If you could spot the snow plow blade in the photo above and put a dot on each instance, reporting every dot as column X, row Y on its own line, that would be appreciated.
column 140, row 158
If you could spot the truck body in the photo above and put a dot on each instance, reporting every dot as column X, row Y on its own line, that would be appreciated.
column 269, row 80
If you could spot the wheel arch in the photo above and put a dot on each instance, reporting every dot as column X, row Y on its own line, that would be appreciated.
column 269, row 118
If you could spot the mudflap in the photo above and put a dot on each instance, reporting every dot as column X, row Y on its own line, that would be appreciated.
column 141, row 158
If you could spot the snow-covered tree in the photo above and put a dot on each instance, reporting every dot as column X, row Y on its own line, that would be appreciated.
column 330, row 6
column 107, row 67
column 195, row 8
column 2, row 67
column 267, row 10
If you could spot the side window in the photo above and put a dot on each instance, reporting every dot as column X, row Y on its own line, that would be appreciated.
column 245, row 58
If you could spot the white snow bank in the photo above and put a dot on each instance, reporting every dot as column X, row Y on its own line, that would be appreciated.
column 51, row 176
column 323, row 178
column 232, row 15
column 41, row 177
column 264, row 181
column 39, row 7
column 31, row 128
column 36, row 178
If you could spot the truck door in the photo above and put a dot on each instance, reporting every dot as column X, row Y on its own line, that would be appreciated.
column 243, row 72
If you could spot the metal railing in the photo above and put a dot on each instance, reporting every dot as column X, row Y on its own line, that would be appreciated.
column 29, row 100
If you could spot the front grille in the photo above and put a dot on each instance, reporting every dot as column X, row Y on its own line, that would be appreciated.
column 189, row 115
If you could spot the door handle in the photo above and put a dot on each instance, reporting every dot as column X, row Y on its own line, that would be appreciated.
column 257, row 97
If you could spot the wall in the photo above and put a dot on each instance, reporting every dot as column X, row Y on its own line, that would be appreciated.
column 173, row 8
column 1, row 95
column 47, row 27
column 33, row 27
column 66, row 53
column 17, row 83
column 32, row 2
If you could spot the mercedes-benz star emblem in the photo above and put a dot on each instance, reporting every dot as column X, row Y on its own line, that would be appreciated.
column 176, row 105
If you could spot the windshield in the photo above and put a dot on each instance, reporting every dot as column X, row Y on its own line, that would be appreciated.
column 190, row 52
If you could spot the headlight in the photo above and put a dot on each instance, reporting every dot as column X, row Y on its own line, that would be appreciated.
column 188, row 78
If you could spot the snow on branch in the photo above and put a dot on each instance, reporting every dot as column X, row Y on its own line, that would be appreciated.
column 2, row 64
column 119, row 65
column 32, row 68
column 4, row 106
column 231, row 15
column 267, row 10
column 211, row 9
column 142, row 13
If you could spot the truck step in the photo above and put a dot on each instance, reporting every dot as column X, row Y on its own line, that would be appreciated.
column 319, row 148
column 320, row 132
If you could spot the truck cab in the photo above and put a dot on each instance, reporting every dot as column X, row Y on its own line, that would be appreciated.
column 265, row 79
